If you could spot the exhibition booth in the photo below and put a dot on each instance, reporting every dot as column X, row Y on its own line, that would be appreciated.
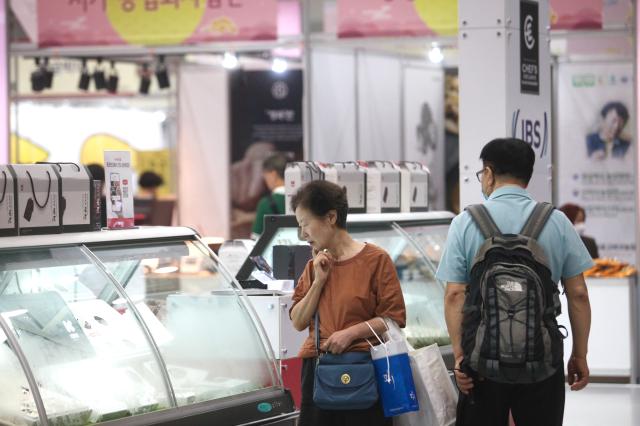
column 201, row 92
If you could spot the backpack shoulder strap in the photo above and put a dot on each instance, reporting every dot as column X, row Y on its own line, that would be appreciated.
column 538, row 218
column 483, row 220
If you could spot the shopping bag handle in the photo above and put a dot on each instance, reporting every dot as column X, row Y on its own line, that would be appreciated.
column 33, row 191
column 387, row 377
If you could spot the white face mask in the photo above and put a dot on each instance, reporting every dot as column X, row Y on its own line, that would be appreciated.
column 580, row 228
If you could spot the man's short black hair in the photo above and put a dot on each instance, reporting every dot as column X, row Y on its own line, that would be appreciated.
column 619, row 108
column 509, row 157
column 150, row 180
column 97, row 171
column 275, row 162
column 320, row 197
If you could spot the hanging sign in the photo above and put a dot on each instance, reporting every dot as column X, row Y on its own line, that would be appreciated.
column 154, row 22
column 117, row 173
column 366, row 18
column 572, row 14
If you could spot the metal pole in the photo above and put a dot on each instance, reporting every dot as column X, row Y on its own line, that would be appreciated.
column 306, row 76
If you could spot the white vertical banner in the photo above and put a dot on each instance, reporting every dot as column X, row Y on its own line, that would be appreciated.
column 596, row 168
column 423, row 121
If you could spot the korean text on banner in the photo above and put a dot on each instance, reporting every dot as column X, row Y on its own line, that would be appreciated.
column 118, row 189
column 154, row 22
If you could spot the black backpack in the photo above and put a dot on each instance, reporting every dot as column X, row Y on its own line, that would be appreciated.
column 509, row 328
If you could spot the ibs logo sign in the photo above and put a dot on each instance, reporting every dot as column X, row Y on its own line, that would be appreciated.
column 534, row 132
column 529, row 60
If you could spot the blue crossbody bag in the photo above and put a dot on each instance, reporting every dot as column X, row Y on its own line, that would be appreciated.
column 343, row 381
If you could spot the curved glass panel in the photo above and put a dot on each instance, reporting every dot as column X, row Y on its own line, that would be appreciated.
column 423, row 295
column 207, row 339
column 91, row 359
column 17, row 406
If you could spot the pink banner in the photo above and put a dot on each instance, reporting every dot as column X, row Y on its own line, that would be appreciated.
column 366, row 18
column 572, row 14
column 154, row 22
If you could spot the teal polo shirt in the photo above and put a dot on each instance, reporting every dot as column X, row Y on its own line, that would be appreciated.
column 510, row 207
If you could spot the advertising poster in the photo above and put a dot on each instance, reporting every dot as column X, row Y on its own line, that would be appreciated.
column 154, row 22
column 266, row 118
column 596, row 152
column 117, row 172
column 572, row 14
column 424, row 126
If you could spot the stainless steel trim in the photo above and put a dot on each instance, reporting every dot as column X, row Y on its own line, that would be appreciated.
column 26, row 368
column 75, row 238
column 154, row 348
column 271, row 420
column 398, row 217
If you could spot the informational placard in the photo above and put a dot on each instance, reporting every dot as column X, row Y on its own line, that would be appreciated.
column 117, row 171
column 596, row 158
column 529, row 42
column 154, row 22
column 364, row 18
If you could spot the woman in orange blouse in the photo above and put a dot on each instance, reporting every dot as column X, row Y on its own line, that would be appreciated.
column 348, row 283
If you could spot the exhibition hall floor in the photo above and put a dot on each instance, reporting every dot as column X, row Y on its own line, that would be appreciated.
column 603, row 405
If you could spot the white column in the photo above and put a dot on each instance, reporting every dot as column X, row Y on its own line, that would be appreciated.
column 505, row 86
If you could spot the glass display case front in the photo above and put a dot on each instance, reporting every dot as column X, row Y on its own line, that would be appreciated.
column 99, row 331
column 414, row 241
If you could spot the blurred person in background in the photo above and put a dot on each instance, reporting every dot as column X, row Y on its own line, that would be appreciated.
column 272, row 203
column 577, row 216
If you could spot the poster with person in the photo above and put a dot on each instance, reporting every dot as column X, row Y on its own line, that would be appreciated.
column 595, row 152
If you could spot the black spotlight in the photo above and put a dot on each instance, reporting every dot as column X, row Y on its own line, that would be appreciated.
column 38, row 77
column 48, row 74
column 145, row 79
column 85, row 78
column 112, row 82
column 162, row 74
column 99, row 78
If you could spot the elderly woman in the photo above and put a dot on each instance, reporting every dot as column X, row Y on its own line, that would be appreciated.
column 349, row 283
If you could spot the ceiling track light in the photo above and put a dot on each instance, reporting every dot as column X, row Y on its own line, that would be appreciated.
column 99, row 78
column 85, row 78
column 229, row 61
column 435, row 54
column 145, row 80
column 112, row 82
column 38, row 83
column 279, row 65
column 162, row 75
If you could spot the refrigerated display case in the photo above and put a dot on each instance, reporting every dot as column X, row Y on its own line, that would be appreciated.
column 413, row 240
column 130, row 327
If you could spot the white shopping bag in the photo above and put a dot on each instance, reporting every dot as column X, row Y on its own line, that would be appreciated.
column 436, row 395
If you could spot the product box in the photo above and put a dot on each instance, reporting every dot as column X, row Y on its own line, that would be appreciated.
column 77, row 197
column 295, row 176
column 383, row 186
column 96, row 208
column 8, row 202
column 414, row 186
column 38, row 192
column 353, row 179
column 329, row 172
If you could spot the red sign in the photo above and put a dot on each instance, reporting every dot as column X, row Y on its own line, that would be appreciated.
column 154, row 22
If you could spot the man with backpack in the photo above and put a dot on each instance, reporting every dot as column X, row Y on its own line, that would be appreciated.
column 502, row 264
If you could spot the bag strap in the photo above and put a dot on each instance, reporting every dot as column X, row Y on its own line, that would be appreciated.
column 483, row 220
column 537, row 219
column 317, row 332
column 33, row 190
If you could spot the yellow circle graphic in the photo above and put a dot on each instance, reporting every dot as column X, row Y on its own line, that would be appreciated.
column 154, row 23
column 440, row 15
column 346, row 379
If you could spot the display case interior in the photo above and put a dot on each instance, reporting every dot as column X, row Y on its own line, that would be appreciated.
column 414, row 241
column 108, row 329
